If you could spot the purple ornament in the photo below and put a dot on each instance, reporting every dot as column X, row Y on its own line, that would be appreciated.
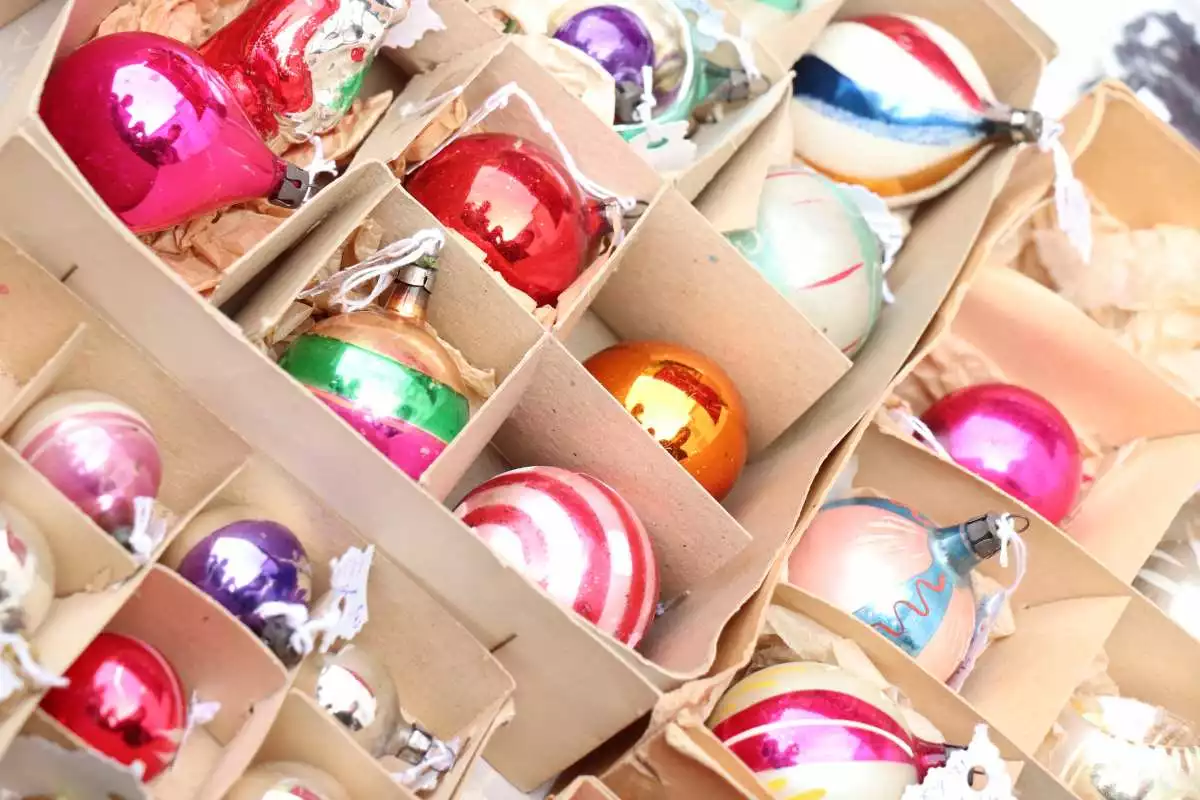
column 614, row 37
column 245, row 563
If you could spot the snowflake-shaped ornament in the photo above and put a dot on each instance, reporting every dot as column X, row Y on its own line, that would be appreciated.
column 953, row 781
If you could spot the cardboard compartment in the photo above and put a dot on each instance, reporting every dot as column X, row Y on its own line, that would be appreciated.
column 304, row 733
column 31, row 141
column 180, row 622
column 784, row 33
column 689, row 761
column 717, row 142
column 586, row 788
column 757, row 332
column 1038, row 340
column 469, row 309
column 446, row 680
column 596, row 149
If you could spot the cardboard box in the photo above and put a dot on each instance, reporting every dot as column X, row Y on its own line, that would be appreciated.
column 716, row 557
column 50, row 341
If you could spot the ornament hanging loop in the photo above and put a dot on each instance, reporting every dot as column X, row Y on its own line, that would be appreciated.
column 410, row 262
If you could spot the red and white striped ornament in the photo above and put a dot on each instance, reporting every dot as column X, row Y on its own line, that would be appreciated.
column 810, row 730
column 574, row 536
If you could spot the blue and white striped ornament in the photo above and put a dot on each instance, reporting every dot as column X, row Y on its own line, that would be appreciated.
column 899, row 105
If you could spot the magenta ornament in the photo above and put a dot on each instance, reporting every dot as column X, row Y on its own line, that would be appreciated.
column 1015, row 439
column 158, row 134
column 96, row 450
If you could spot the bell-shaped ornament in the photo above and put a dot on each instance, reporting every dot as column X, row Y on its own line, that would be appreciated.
column 898, row 572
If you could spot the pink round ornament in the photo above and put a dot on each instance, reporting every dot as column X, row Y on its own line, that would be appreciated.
column 811, row 730
column 576, row 538
column 899, row 573
column 1014, row 438
column 158, row 134
column 96, row 450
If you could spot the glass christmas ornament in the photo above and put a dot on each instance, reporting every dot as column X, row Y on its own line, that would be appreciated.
column 355, row 687
column 811, row 730
column 242, row 559
column 685, row 401
column 295, row 66
column 284, row 780
column 124, row 700
column 517, row 203
column 1170, row 579
column 899, row 573
column 384, row 373
column 574, row 536
column 1117, row 748
column 814, row 245
column 96, row 450
column 899, row 105
column 26, row 573
column 158, row 134
column 678, row 77
column 1014, row 438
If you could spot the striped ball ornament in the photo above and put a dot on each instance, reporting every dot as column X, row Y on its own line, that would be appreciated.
column 1170, row 579
column 812, row 731
column 96, row 450
column 897, row 104
column 574, row 536
column 813, row 244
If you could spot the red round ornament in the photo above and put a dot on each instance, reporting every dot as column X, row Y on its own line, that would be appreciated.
column 517, row 203
column 158, row 134
column 1014, row 438
column 574, row 536
column 124, row 700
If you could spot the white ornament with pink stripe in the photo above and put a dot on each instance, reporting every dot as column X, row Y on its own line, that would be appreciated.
column 574, row 536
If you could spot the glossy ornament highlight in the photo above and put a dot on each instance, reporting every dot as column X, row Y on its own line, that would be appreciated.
column 158, row 134
column 355, row 687
column 1014, row 438
column 516, row 202
column 810, row 730
column 574, row 536
column 386, row 375
column 26, row 573
column 685, row 401
column 616, row 39
column 295, row 66
column 1116, row 748
column 899, row 105
column 1170, row 579
column 813, row 244
column 242, row 559
column 124, row 700
column 96, row 450
column 285, row 780
column 899, row 573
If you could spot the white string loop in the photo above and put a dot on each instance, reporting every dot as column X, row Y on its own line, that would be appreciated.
column 11, row 681
column 1070, row 199
column 148, row 530
column 380, row 268
column 914, row 426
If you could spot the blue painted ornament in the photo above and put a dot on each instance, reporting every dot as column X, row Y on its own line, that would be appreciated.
column 814, row 245
column 898, row 572
column 899, row 105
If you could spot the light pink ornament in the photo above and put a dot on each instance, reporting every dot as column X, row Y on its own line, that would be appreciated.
column 574, row 536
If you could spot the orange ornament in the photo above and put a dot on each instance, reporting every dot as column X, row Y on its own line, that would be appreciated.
column 685, row 401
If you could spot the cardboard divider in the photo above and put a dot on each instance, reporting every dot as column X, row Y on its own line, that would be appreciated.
column 786, row 35
column 39, row 385
column 777, row 359
column 595, row 148
column 464, row 31
column 567, row 419
column 586, row 788
column 304, row 733
column 1040, row 341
